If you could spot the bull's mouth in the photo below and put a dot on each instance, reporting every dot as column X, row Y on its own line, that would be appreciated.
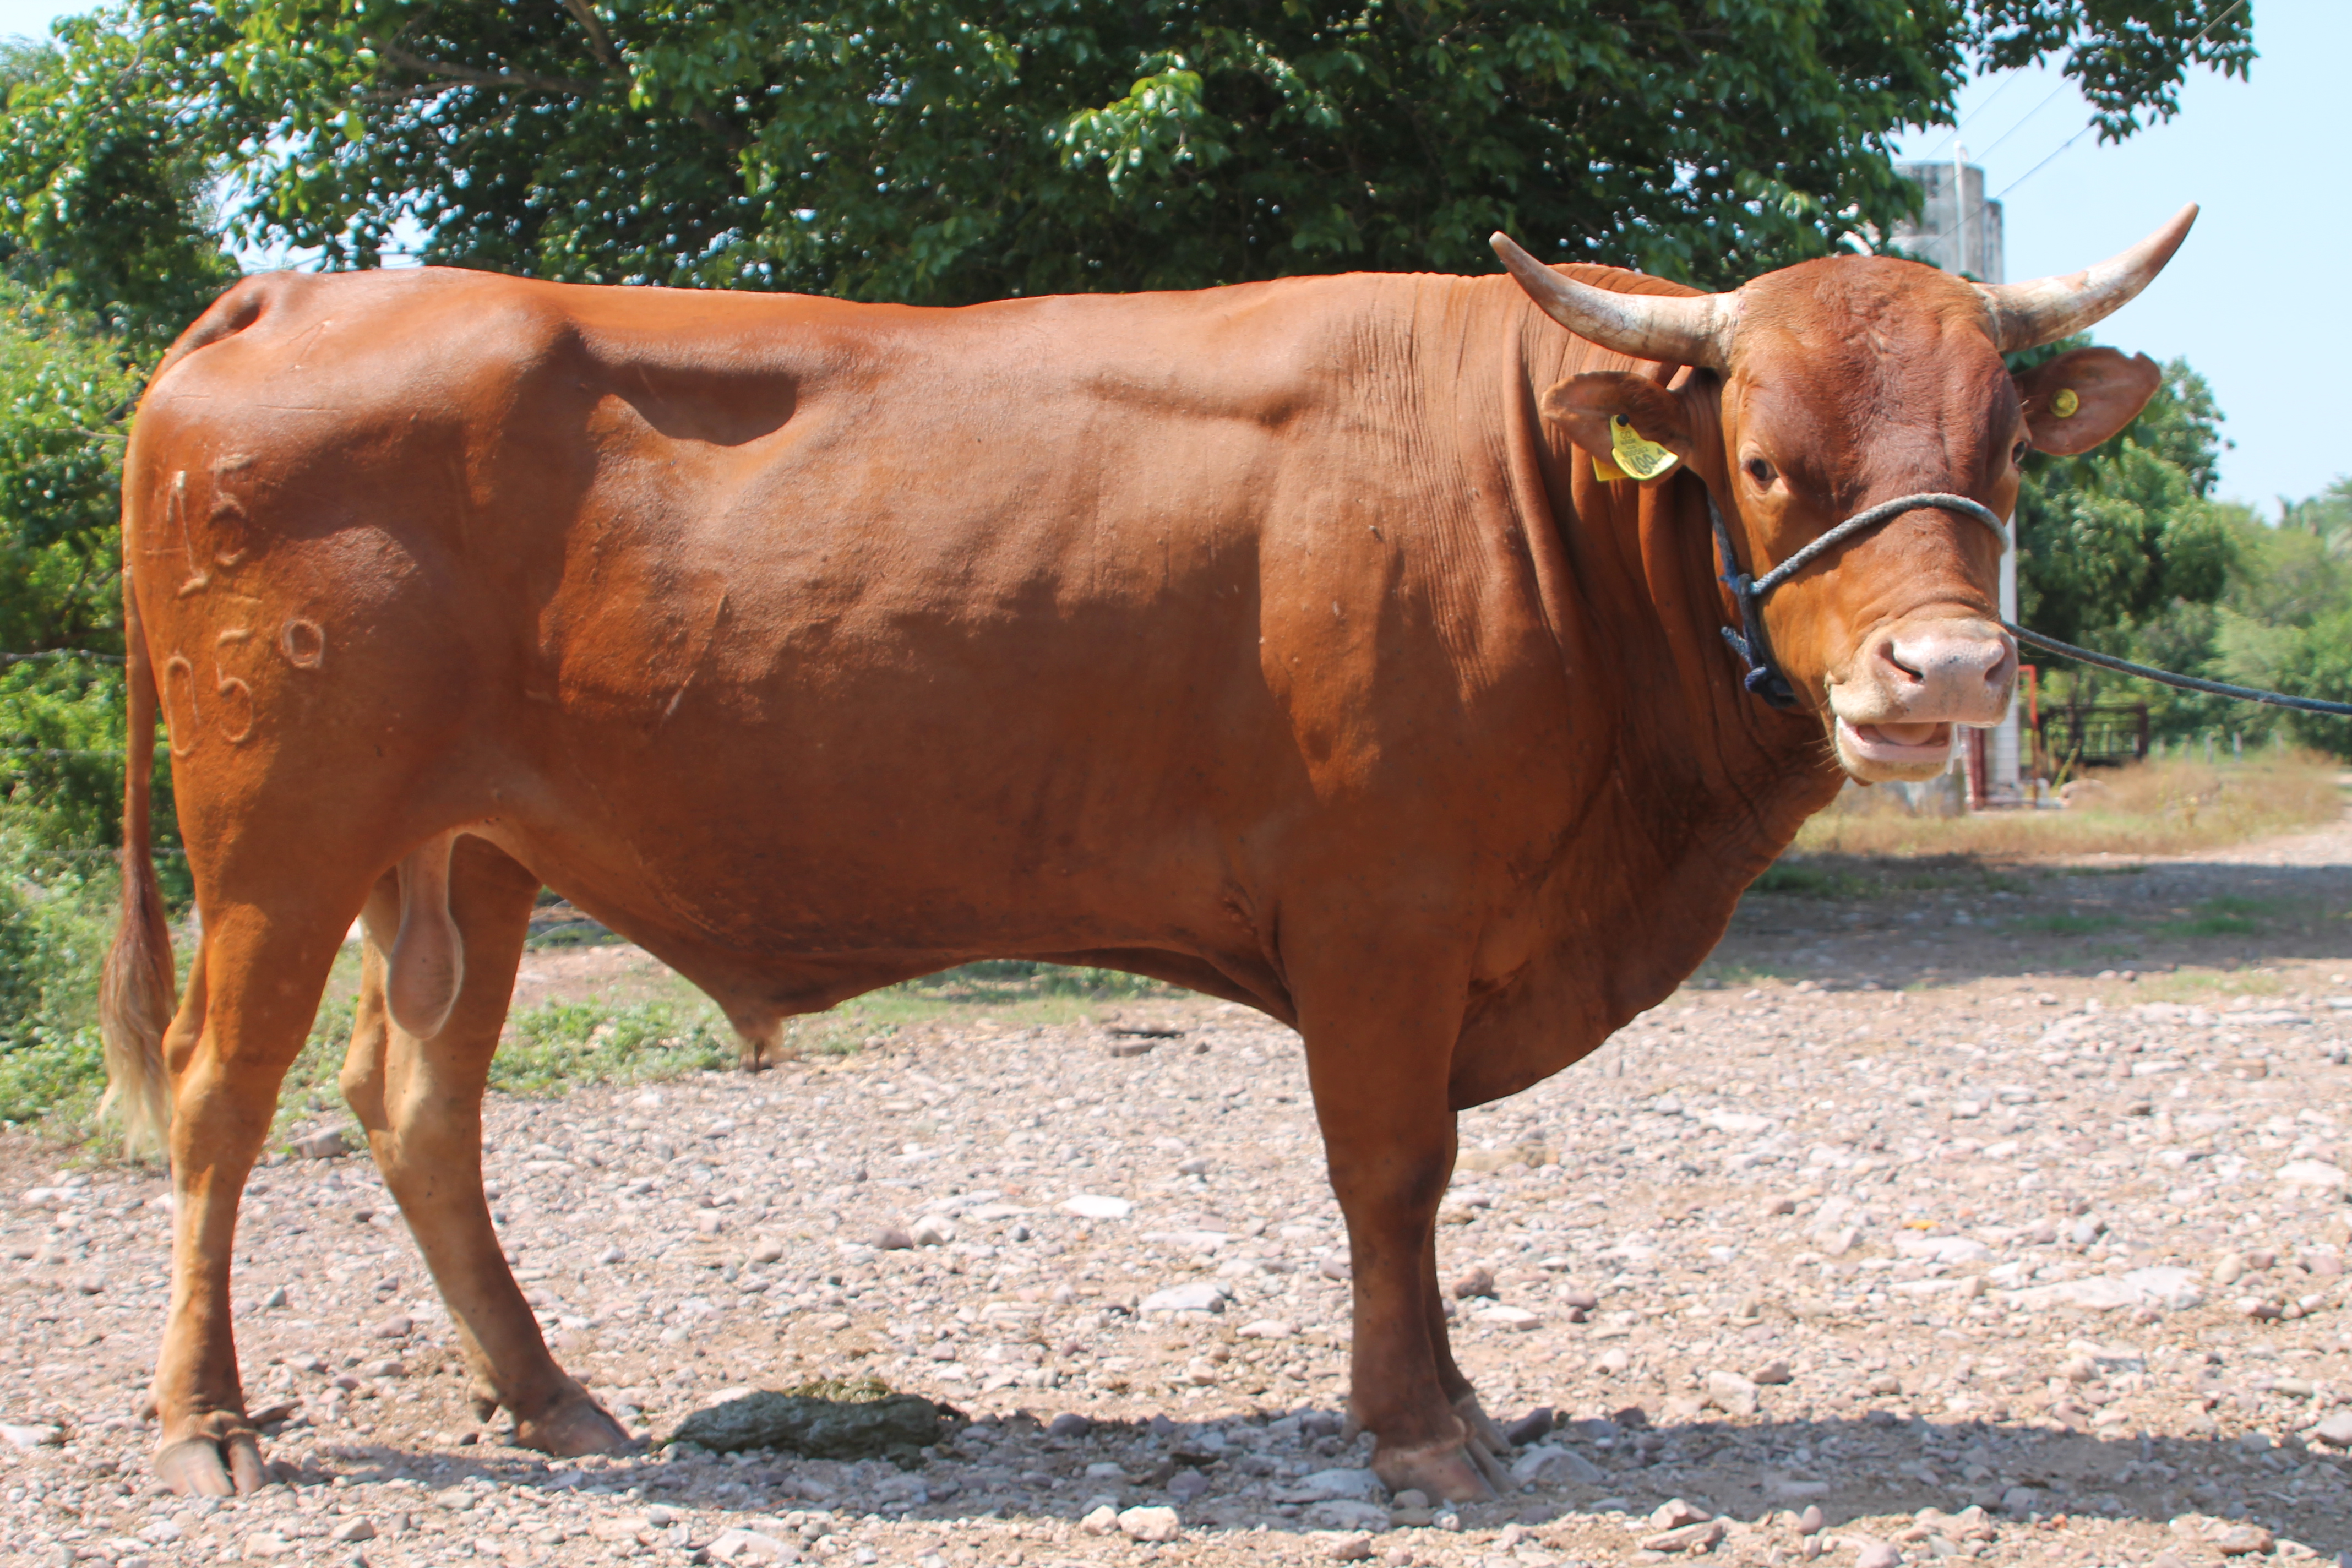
column 1895, row 745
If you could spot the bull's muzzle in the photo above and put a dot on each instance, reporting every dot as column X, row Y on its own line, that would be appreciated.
column 1914, row 686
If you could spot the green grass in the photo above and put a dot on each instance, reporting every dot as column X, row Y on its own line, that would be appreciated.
column 1793, row 877
column 553, row 1048
column 56, row 918
column 1717, row 973
column 2219, row 917
column 559, row 1044
column 2064, row 924
column 1825, row 876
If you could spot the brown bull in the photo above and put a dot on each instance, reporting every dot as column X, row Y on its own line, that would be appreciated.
column 1278, row 641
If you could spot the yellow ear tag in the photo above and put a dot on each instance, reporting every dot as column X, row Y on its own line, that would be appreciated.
column 1643, row 460
column 2065, row 402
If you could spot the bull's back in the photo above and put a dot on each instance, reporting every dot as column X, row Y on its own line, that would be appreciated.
column 806, row 593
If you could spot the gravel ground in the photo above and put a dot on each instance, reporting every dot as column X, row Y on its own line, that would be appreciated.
column 1997, row 1218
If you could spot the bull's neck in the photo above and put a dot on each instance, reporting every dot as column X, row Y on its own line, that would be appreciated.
column 1714, row 780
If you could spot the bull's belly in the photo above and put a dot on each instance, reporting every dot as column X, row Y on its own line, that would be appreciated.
column 791, row 887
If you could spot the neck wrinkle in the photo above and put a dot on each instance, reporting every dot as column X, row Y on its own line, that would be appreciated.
column 1625, row 577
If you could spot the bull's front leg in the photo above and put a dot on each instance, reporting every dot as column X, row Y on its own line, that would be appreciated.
column 1487, row 1444
column 1379, row 1050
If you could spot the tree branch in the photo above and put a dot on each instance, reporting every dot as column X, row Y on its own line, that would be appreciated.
column 597, row 37
column 444, row 70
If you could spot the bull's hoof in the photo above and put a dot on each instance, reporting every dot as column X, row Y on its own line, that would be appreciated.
column 223, row 1459
column 1484, row 1433
column 1447, row 1470
column 574, row 1424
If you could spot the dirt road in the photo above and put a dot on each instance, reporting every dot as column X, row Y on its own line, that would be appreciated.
column 1946, row 1214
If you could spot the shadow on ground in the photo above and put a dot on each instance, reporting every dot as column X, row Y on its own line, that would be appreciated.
column 1950, row 920
column 1870, row 1468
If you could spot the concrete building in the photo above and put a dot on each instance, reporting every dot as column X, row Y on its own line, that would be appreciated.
column 1959, row 231
column 1959, row 237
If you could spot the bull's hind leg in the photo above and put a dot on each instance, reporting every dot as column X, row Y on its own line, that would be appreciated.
column 420, row 1099
column 251, row 994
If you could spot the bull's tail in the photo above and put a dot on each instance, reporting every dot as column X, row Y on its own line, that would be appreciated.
column 136, row 996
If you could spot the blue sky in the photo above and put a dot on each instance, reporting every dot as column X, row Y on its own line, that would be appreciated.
column 2244, row 300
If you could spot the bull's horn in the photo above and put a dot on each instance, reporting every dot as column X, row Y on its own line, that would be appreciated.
column 1673, row 329
column 2027, row 315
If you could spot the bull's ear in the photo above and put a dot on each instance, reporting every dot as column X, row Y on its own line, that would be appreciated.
column 2079, row 399
column 1632, row 426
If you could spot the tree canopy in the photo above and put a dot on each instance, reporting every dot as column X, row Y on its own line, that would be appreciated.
column 942, row 152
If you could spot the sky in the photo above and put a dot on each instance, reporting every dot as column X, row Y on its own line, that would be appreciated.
column 2237, row 301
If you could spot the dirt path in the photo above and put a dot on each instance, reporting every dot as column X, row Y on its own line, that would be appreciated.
column 1995, row 1215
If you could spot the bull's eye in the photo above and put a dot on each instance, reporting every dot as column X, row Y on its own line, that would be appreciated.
column 1762, row 472
column 2017, row 453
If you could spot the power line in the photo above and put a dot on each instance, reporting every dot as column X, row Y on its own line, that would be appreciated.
column 2017, row 73
column 2205, row 33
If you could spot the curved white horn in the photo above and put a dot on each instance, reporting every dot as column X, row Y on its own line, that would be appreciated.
column 1673, row 329
column 2027, row 315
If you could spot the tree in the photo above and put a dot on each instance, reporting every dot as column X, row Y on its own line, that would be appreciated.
column 2110, row 540
column 940, row 152
column 103, row 191
column 2327, row 517
column 103, row 256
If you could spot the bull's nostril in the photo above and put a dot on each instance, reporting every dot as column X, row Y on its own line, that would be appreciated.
column 1893, row 656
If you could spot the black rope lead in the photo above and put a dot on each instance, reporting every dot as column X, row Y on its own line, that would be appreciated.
column 2166, row 677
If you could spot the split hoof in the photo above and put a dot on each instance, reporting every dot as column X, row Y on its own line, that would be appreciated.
column 228, row 1464
column 1490, row 1465
column 1482, row 1429
column 574, row 1424
column 1446, row 1470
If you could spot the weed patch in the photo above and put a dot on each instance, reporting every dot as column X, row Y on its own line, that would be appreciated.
column 2069, row 924
column 2219, row 917
column 2170, row 807
column 552, row 1048
column 56, row 919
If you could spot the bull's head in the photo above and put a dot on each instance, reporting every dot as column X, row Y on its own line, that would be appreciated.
column 1831, row 386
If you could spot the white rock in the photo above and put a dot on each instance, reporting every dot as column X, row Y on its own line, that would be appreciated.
column 2312, row 1174
column 1510, row 1319
column 1341, row 1483
column 740, row 1545
column 1093, row 1205
column 1150, row 1524
column 1341, row 1546
column 1195, row 1296
column 1266, row 1329
column 1102, row 1521
column 1731, row 1393
column 30, row 1436
column 1548, row 1465
column 1346, row 1514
